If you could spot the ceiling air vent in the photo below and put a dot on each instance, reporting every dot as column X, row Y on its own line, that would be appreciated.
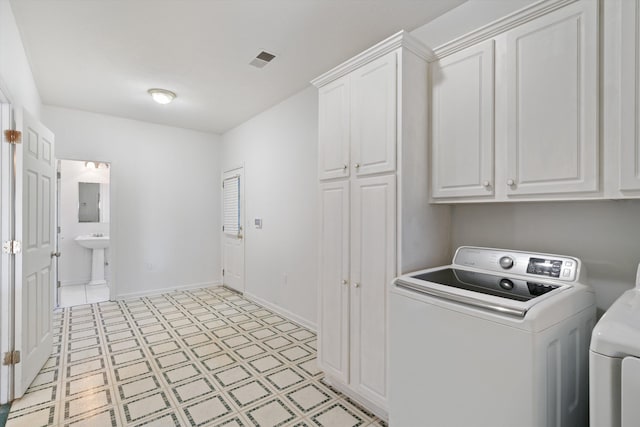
column 262, row 59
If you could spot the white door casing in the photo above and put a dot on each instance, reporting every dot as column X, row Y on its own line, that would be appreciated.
column 35, row 226
column 233, row 229
column 333, row 301
column 6, row 294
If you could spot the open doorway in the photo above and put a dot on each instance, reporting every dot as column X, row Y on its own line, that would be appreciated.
column 83, row 219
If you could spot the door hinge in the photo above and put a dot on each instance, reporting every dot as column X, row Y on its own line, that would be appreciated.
column 223, row 271
column 58, row 284
column 59, row 229
column 11, row 247
column 11, row 358
column 13, row 136
column 223, row 228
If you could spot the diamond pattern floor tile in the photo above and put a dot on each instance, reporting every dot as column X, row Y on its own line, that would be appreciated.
column 205, row 357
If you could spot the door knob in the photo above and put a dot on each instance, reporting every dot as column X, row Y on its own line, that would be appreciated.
column 55, row 254
column 356, row 285
column 345, row 282
column 486, row 184
column 344, row 167
column 510, row 182
column 357, row 166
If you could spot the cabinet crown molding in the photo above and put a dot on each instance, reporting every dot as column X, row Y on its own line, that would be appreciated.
column 400, row 39
column 499, row 26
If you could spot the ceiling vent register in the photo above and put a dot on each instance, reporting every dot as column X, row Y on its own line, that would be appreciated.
column 262, row 59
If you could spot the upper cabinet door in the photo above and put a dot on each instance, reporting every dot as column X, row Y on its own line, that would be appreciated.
column 552, row 103
column 630, row 91
column 463, row 125
column 373, row 120
column 333, row 129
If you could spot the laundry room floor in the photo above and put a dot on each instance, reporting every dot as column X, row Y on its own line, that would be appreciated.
column 204, row 357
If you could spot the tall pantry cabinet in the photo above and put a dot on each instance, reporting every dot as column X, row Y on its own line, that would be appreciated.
column 375, row 218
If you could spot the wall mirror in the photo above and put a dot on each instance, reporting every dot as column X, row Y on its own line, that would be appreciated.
column 91, row 202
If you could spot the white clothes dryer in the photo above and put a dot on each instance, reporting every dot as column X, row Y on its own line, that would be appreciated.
column 614, row 364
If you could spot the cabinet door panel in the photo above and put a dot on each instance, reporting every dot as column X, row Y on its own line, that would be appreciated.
column 373, row 113
column 463, row 101
column 630, row 99
column 552, row 103
column 373, row 267
column 333, row 129
column 333, row 348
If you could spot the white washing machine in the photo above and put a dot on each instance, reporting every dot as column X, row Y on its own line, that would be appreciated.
column 614, row 364
column 498, row 338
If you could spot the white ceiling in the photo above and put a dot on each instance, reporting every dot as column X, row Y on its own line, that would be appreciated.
column 103, row 55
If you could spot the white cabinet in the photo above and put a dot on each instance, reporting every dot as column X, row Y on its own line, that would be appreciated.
column 372, row 269
column 333, row 129
column 333, row 347
column 552, row 103
column 373, row 125
column 375, row 220
column 357, row 121
column 629, row 156
column 462, row 144
column 546, row 112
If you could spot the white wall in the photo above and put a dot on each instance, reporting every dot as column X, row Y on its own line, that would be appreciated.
column 467, row 17
column 165, row 197
column 16, row 81
column 74, row 266
column 279, row 151
column 604, row 234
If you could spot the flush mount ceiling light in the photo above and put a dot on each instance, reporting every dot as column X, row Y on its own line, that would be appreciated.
column 162, row 96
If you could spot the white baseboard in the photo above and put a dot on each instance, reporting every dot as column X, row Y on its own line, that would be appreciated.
column 74, row 282
column 291, row 316
column 153, row 292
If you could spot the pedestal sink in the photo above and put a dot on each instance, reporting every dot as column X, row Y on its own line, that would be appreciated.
column 97, row 243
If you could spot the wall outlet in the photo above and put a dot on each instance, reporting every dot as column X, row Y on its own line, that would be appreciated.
column 257, row 222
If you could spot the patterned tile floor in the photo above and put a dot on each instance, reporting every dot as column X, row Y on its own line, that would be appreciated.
column 205, row 357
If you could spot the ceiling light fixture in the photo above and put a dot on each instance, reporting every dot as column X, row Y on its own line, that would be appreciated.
column 162, row 96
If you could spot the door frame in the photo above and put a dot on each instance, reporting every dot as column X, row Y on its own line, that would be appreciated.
column 112, row 227
column 7, row 265
column 240, row 166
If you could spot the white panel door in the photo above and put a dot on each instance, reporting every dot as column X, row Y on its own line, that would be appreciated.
column 373, row 232
column 629, row 107
column 35, row 279
column 552, row 103
column 373, row 116
column 463, row 92
column 333, row 129
column 333, row 337
column 233, row 229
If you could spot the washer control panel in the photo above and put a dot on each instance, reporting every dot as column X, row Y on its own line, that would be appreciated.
column 555, row 267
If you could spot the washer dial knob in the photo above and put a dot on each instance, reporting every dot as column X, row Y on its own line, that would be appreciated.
column 506, row 262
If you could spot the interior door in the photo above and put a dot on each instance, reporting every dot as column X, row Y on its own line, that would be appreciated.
column 232, row 229
column 34, row 288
